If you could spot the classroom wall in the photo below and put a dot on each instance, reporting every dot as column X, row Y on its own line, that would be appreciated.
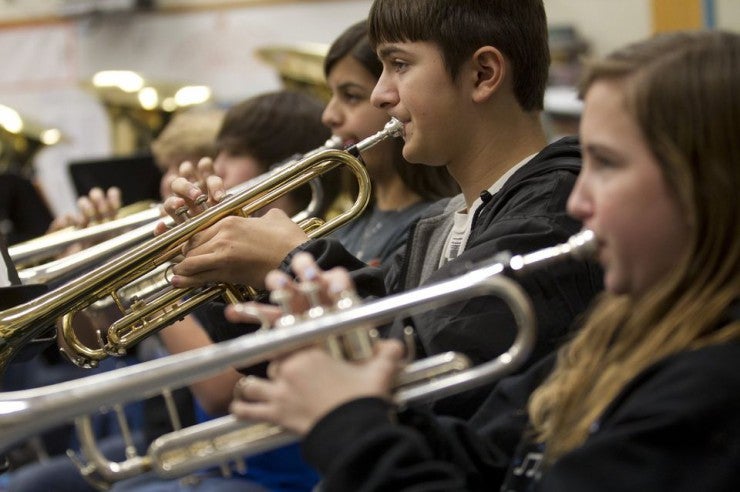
column 211, row 42
column 46, row 61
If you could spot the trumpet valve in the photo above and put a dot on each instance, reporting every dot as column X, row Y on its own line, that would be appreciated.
column 202, row 202
column 311, row 290
column 182, row 212
column 283, row 298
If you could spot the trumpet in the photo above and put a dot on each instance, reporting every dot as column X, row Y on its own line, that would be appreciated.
column 129, row 231
column 25, row 413
column 54, row 243
column 157, row 281
column 22, row 323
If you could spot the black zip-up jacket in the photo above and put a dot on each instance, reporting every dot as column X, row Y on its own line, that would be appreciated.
column 675, row 427
column 527, row 214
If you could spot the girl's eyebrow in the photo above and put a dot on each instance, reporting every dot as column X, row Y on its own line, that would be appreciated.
column 601, row 148
column 595, row 147
column 349, row 85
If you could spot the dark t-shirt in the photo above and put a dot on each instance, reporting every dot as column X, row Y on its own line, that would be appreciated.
column 377, row 234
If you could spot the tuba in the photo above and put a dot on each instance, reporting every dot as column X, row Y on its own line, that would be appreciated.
column 25, row 413
column 20, row 324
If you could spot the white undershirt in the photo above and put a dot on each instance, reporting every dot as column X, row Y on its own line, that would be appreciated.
column 457, row 239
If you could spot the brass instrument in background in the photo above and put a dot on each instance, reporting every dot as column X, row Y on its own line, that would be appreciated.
column 20, row 140
column 142, row 223
column 139, row 108
column 22, row 323
column 300, row 66
column 25, row 413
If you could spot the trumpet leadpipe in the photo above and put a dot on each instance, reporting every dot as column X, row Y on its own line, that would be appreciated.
column 54, row 243
column 64, row 268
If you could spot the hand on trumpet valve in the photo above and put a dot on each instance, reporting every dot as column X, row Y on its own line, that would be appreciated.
column 193, row 190
column 294, row 299
column 307, row 384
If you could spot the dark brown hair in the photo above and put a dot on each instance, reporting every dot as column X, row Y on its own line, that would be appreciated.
column 274, row 127
column 517, row 28
column 431, row 183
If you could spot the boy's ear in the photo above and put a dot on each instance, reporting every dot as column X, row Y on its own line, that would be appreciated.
column 489, row 70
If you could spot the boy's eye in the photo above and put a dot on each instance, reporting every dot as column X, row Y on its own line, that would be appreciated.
column 399, row 65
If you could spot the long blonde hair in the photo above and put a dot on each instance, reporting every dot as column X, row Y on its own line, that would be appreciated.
column 682, row 90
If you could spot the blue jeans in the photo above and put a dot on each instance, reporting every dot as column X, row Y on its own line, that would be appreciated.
column 150, row 482
column 60, row 474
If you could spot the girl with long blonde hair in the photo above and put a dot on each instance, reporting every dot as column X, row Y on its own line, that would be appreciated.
column 680, row 93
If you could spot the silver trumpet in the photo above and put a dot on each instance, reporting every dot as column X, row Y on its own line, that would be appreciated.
column 52, row 244
column 26, row 413
column 129, row 230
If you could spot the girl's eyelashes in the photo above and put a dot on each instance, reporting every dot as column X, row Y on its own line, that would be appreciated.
column 600, row 162
column 599, row 159
column 352, row 97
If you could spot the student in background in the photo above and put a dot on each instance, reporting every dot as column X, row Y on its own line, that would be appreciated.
column 256, row 133
column 188, row 137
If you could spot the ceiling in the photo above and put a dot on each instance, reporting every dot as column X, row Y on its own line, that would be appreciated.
column 34, row 10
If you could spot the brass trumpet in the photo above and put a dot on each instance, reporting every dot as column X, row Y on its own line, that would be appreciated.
column 25, row 413
column 24, row 322
column 129, row 231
